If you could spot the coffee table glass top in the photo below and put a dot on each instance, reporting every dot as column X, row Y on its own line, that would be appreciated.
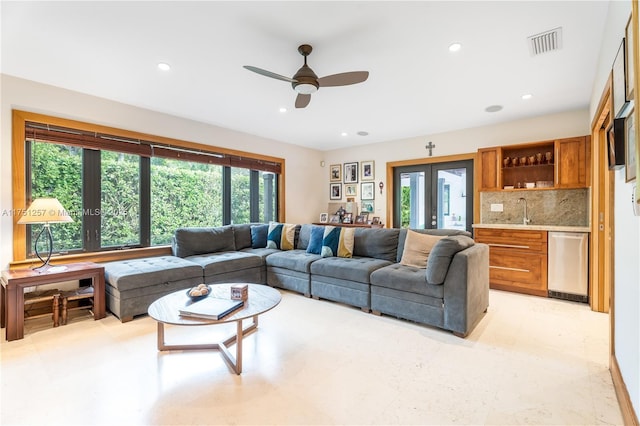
column 262, row 298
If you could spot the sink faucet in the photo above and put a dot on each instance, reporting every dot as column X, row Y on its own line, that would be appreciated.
column 525, row 218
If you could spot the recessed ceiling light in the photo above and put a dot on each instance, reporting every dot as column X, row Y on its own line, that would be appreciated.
column 527, row 96
column 455, row 47
column 493, row 108
column 164, row 66
column 344, row 134
column 283, row 109
column 363, row 133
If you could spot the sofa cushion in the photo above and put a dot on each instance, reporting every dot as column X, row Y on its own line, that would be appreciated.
column 242, row 235
column 442, row 232
column 191, row 241
column 379, row 243
column 293, row 260
column 353, row 269
column 136, row 273
column 223, row 262
column 315, row 239
column 441, row 255
column 281, row 236
column 416, row 249
column 337, row 241
column 407, row 279
column 259, row 235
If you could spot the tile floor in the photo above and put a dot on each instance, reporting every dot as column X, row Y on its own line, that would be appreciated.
column 530, row 361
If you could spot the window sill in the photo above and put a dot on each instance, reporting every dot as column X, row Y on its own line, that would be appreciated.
column 98, row 257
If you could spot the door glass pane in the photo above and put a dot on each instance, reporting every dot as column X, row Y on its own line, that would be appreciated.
column 183, row 194
column 120, row 199
column 452, row 198
column 56, row 171
column 412, row 201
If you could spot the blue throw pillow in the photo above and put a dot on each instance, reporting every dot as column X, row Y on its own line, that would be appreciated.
column 315, row 239
column 337, row 242
column 259, row 235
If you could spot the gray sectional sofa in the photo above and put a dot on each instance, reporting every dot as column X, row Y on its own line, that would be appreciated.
column 452, row 293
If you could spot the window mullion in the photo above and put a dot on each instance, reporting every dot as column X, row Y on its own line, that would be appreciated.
column 91, row 199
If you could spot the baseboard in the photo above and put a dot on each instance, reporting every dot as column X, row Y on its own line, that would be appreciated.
column 628, row 414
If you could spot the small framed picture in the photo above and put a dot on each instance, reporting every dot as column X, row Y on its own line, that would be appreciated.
column 630, row 148
column 367, row 206
column 367, row 170
column 367, row 190
column 619, row 80
column 335, row 191
column 351, row 172
column 351, row 190
column 324, row 217
column 335, row 173
column 347, row 218
column 334, row 218
column 360, row 219
column 375, row 220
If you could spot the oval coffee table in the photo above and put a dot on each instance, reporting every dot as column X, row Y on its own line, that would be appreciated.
column 262, row 298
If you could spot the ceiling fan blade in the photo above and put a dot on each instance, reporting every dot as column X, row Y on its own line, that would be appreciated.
column 343, row 79
column 269, row 74
column 302, row 100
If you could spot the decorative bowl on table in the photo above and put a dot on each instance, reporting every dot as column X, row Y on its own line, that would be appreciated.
column 199, row 292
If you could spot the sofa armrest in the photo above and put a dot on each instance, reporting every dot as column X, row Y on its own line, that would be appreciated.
column 466, row 289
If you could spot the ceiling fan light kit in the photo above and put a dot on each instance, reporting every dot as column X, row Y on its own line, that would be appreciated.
column 305, row 81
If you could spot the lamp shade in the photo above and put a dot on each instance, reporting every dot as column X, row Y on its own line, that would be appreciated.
column 45, row 210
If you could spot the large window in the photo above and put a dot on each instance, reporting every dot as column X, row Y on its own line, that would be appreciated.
column 126, row 193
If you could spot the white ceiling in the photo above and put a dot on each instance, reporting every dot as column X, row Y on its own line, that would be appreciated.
column 416, row 86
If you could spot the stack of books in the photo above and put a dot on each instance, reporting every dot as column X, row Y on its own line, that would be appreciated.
column 211, row 308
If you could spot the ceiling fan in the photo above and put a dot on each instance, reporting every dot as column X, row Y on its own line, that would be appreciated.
column 306, row 82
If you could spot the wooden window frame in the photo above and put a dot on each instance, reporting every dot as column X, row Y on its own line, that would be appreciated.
column 139, row 143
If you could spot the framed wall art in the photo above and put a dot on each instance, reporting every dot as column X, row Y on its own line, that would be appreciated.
column 367, row 206
column 335, row 191
column 351, row 190
column 630, row 150
column 335, row 173
column 629, row 69
column 367, row 190
column 351, row 172
column 619, row 82
column 367, row 169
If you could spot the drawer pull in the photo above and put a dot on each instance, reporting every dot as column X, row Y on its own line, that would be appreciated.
column 507, row 245
column 509, row 269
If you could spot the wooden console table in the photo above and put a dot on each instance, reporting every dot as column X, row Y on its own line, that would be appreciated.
column 14, row 282
column 350, row 225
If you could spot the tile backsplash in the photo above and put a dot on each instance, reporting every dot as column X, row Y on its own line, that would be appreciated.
column 559, row 207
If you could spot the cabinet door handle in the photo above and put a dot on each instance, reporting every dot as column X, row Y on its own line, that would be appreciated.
column 509, row 269
column 507, row 245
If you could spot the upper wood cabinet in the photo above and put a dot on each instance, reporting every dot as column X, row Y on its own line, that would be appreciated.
column 573, row 165
column 562, row 163
column 489, row 159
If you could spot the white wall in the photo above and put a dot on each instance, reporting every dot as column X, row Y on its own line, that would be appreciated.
column 553, row 126
column 303, row 172
column 627, row 226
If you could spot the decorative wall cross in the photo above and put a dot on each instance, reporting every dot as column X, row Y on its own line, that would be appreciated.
column 430, row 147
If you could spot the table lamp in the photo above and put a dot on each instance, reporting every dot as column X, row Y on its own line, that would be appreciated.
column 46, row 211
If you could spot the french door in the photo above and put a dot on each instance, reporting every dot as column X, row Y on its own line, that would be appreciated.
column 434, row 196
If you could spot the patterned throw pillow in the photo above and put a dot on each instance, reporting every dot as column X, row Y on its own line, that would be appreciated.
column 337, row 242
column 417, row 247
column 281, row 236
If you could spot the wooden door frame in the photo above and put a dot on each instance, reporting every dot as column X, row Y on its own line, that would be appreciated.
column 419, row 161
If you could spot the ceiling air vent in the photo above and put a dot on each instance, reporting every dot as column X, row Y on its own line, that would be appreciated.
column 547, row 41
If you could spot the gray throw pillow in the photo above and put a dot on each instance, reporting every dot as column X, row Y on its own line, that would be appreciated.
column 441, row 255
column 259, row 235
